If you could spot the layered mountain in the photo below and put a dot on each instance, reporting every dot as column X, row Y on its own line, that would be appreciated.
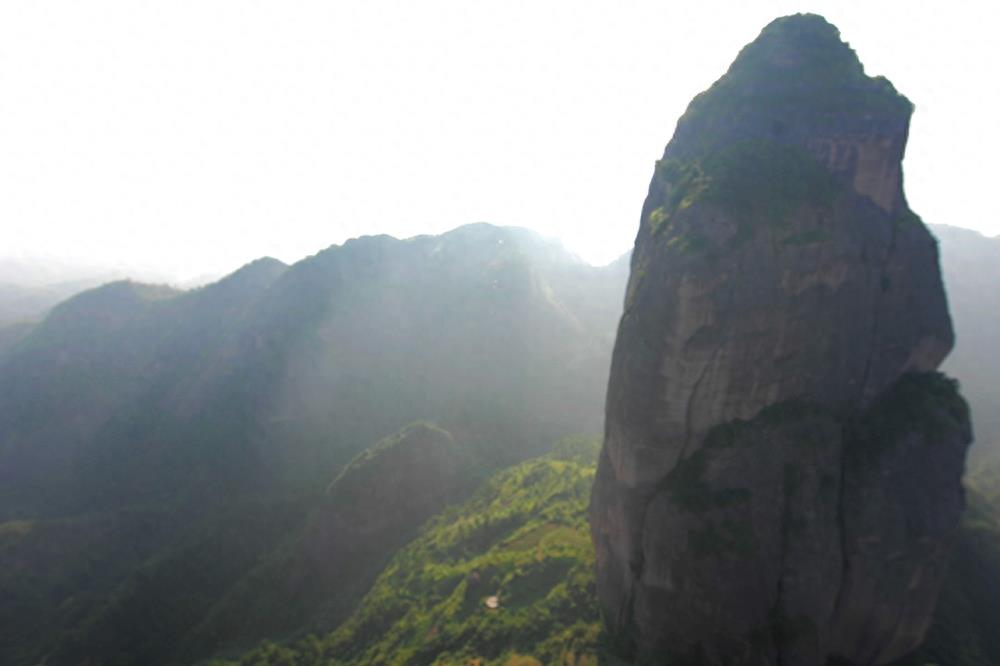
column 780, row 477
column 20, row 304
column 294, row 370
column 157, row 446
column 31, row 287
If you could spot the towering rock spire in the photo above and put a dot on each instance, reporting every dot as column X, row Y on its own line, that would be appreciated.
column 774, row 426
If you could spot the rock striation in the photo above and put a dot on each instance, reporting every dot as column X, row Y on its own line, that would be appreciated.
column 781, row 475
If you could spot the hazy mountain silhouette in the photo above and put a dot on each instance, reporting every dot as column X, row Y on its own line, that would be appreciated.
column 971, row 266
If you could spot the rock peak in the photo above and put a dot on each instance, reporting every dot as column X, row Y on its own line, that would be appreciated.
column 765, row 444
column 799, row 86
column 801, row 41
column 806, row 51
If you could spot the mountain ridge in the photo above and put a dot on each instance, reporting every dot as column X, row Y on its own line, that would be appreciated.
column 220, row 414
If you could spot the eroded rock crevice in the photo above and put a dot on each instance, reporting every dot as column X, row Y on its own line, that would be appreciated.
column 845, row 563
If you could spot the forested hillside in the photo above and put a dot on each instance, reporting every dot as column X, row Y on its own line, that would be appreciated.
column 505, row 578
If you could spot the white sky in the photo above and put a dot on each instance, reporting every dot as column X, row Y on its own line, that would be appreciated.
column 193, row 136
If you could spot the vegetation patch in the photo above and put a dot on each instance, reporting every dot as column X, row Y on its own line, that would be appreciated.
column 523, row 538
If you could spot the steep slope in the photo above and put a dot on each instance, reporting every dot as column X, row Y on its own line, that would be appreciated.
column 970, row 263
column 780, row 478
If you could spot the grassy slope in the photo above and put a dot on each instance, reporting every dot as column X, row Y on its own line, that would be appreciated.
column 523, row 538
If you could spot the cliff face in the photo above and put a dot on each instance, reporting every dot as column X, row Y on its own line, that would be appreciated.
column 780, row 478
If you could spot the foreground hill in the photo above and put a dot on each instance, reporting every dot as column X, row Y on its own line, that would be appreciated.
column 523, row 539
column 505, row 578
column 157, row 445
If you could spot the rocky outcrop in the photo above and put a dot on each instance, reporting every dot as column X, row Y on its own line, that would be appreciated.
column 780, row 478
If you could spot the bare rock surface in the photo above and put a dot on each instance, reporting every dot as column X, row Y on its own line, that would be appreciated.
column 780, row 479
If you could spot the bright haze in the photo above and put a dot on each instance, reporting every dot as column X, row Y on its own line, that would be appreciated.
column 188, row 137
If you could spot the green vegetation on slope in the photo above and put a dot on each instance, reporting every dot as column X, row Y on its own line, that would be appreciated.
column 523, row 539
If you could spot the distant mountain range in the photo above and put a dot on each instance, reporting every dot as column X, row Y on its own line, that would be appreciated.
column 28, row 304
column 153, row 431
column 30, row 287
